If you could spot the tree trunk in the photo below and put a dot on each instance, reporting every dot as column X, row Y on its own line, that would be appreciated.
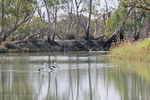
column 95, row 28
column 137, row 34
column 78, row 3
column 2, row 18
column 55, row 21
column 105, row 16
column 26, row 18
column 70, row 21
column 49, row 22
column 89, row 21
column 147, row 27
column 121, row 33
column 60, row 30
column 137, row 27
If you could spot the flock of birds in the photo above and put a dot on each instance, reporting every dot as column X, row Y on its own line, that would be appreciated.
column 49, row 68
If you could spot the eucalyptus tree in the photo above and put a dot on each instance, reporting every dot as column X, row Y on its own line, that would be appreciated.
column 107, row 11
column 37, row 26
column 52, row 10
column 89, row 20
column 14, row 13
column 93, row 11
column 71, row 14
column 56, row 6
column 106, row 15
column 78, row 5
column 97, row 15
column 2, row 20
column 114, row 21
column 74, row 10
column 55, row 9
column 139, row 15
column 69, row 8
column 46, row 2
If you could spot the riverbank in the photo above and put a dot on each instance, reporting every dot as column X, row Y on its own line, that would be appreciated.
column 137, row 51
column 57, row 46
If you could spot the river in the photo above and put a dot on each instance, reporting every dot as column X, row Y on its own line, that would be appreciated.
column 81, row 76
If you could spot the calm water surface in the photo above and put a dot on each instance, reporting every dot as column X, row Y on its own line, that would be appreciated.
column 82, row 76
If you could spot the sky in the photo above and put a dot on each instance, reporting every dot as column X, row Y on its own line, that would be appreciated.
column 111, row 3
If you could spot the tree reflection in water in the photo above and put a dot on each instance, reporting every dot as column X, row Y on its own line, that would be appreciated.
column 82, row 76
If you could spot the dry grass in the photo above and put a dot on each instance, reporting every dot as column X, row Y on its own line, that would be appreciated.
column 132, row 51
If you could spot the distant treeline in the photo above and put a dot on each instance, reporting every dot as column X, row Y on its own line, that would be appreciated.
column 72, row 19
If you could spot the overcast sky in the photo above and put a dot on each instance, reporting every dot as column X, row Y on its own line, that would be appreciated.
column 112, row 3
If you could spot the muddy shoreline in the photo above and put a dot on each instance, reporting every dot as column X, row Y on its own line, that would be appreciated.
column 57, row 46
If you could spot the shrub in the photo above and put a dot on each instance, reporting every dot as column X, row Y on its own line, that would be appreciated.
column 122, row 52
column 138, row 51
column 144, row 44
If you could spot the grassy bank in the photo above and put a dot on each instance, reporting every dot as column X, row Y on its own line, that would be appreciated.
column 134, row 51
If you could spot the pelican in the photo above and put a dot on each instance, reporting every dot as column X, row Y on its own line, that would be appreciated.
column 54, row 67
column 45, row 69
column 49, row 68
column 42, row 70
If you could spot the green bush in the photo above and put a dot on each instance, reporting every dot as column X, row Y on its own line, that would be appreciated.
column 122, row 52
column 144, row 44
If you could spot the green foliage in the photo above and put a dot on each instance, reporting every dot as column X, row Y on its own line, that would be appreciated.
column 14, row 12
column 113, row 22
column 37, row 24
column 25, row 31
column 144, row 44
column 124, row 2
column 136, row 21
column 123, row 52
column 52, row 3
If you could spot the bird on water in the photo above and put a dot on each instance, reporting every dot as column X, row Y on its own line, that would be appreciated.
column 49, row 68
